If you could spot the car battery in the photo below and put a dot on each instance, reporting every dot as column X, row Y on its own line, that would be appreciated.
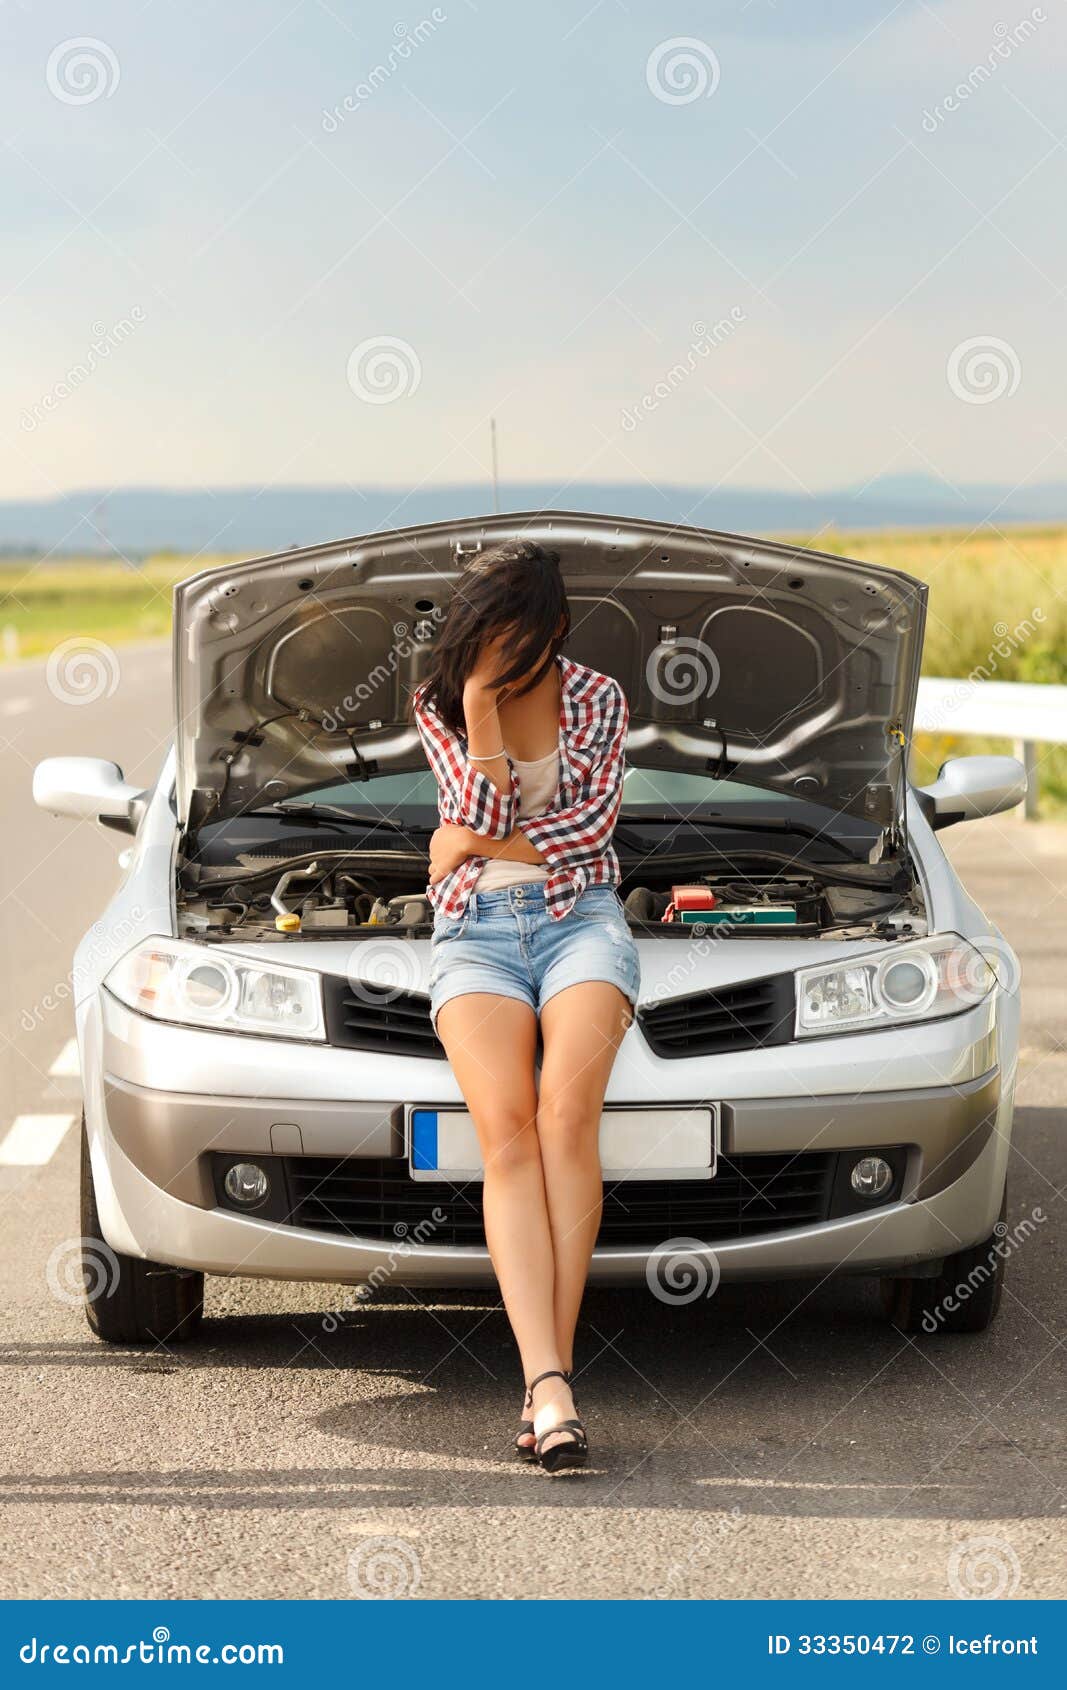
column 746, row 915
column 698, row 906
column 690, row 903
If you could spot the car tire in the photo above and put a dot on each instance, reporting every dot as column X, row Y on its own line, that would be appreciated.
column 954, row 1301
column 129, row 1300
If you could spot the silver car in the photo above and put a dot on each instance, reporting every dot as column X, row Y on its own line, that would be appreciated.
column 819, row 1077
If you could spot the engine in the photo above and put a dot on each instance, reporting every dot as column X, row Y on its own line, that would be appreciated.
column 322, row 893
column 341, row 893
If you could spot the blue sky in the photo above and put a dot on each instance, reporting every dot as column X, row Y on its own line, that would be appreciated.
column 511, row 197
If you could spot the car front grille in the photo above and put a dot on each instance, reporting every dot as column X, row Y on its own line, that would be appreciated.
column 751, row 1015
column 365, row 1017
column 747, row 1016
column 376, row 1198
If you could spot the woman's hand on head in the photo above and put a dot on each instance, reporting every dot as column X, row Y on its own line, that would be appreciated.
column 450, row 846
column 491, row 659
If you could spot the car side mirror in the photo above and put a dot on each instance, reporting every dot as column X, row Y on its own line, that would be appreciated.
column 88, row 786
column 972, row 786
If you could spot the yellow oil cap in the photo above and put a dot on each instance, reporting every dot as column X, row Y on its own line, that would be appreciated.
column 287, row 923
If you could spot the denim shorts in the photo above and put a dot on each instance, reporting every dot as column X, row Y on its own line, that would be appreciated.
column 506, row 943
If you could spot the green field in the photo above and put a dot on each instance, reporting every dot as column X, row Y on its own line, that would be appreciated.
column 998, row 611
column 46, row 602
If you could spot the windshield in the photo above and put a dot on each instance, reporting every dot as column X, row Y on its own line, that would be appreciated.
column 647, row 793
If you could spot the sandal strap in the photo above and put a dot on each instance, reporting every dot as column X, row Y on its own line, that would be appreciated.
column 568, row 1375
column 574, row 1430
column 553, row 1373
column 526, row 1430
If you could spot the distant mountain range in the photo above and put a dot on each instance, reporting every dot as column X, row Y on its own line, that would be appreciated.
column 140, row 520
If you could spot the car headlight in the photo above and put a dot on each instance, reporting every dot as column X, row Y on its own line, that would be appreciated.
column 194, row 986
column 917, row 981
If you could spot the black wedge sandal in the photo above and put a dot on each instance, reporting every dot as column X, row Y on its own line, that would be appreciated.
column 527, row 1452
column 562, row 1457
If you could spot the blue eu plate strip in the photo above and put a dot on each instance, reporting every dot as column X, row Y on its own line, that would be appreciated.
column 424, row 1138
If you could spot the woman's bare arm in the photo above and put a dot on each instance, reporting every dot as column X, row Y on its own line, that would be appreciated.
column 485, row 739
column 516, row 848
column 452, row 844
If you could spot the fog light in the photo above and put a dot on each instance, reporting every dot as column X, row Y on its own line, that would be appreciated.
column 871, row 1177
column 246, row 1183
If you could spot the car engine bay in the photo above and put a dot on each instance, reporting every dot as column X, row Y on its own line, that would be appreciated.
column 322, row 887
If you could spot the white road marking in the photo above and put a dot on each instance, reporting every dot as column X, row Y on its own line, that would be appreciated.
column 66, row 1065
column 33, row 1140
column 16, row 706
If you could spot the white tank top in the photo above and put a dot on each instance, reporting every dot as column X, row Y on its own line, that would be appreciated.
column 538, row 785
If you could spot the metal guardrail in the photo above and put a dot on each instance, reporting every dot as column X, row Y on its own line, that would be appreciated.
column 1026, row 712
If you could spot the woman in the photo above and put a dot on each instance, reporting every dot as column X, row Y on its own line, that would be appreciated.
column 527, row 749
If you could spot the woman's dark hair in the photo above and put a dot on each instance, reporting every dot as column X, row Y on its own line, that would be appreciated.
column 518, row 587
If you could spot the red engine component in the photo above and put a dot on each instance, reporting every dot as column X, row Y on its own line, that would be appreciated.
column 689, row 898
column 693, row 898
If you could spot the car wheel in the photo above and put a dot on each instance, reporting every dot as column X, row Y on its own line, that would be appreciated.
column 964, row 1297
column 129, row 1300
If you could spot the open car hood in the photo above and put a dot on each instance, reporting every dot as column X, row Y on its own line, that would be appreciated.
column 791, row 669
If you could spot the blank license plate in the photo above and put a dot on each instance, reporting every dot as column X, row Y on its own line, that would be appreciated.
column 634, row 1144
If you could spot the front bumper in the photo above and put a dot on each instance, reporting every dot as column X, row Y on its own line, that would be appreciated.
column 170, row 1137
column 151, row 1144
column 143, row 1220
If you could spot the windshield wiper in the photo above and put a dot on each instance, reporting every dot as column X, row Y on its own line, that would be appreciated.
column 739, row 824
column 332, row 812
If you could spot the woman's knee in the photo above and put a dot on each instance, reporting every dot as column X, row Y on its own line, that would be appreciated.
column 509, row 1142
column 568, row 1126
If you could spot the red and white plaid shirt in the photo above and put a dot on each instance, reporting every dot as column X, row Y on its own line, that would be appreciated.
column 574, row 834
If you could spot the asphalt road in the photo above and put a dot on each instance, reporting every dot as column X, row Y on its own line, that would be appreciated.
column 775, row 1441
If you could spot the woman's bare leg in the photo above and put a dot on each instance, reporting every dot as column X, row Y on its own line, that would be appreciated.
column 491, row 1042
column 582, row 1028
